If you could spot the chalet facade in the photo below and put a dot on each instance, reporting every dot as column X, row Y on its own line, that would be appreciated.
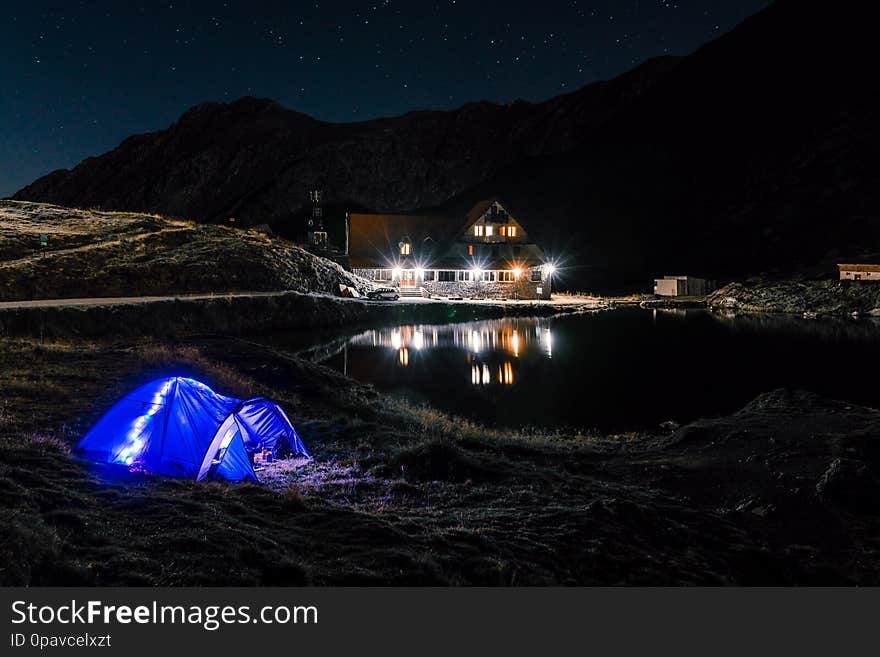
column 486, row 253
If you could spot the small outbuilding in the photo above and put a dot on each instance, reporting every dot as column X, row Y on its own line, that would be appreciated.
column 682, row 286
column 862, row 272
column 180, row 427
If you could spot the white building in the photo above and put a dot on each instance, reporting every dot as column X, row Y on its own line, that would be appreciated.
column 859, row 272
column 682, row 286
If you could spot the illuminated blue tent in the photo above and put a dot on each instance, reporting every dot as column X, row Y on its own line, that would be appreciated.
column 181, row 427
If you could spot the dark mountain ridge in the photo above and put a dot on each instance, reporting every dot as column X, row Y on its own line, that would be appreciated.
column 257, row 160
column 756, row 152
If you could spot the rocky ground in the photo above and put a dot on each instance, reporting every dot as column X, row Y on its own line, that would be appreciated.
column 812, row 297
column 106, row 254
column 782, row 492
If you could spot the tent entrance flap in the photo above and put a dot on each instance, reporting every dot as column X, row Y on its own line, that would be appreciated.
column 227, row 443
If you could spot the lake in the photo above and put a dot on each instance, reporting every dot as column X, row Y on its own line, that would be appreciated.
column 614, row 370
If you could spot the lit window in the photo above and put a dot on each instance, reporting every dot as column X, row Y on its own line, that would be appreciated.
column 478, row 231
column 489, row 230
column 511, row 231
column 405, row 248
column 506, row 276
column 470, row 249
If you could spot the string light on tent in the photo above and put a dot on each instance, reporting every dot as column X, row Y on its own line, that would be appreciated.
column 135, row 443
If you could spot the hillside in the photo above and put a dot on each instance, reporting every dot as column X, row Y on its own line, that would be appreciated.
column 755, row 153
column 102, row 254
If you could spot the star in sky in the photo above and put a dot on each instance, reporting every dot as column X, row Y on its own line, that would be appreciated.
column 105, row 70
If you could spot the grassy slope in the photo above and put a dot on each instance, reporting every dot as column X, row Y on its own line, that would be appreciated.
column 94, row 254
column 403, row 495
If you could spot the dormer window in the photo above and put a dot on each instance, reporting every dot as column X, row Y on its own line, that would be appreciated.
column 406, row 248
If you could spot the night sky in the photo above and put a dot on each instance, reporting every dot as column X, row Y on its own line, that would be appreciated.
column 77, row 77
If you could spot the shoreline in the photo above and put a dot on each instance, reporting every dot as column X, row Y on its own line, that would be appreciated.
column 242, row 313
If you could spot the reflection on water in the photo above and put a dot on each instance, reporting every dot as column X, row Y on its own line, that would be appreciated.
column 617, row 370
column 488, row 352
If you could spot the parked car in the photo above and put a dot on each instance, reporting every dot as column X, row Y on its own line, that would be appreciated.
column 383, row 294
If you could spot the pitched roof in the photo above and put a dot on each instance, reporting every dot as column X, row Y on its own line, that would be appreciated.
column 479, row 210
column 373, row 237
column 859, row 267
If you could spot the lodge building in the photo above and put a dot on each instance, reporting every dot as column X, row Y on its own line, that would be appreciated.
column 486, row 253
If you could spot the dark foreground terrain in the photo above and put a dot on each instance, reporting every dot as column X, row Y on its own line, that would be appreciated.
column 782, row 492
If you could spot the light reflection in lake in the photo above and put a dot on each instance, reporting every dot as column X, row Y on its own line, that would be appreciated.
column 619, row 370
column 488, row 353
